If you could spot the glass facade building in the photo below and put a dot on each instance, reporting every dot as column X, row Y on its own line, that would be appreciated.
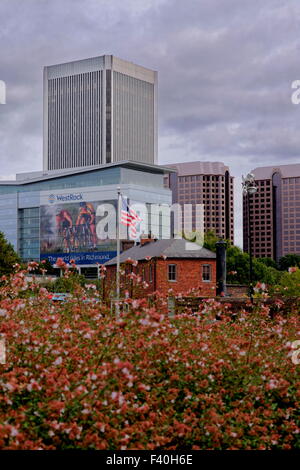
column 29, row 233
column 35, row 207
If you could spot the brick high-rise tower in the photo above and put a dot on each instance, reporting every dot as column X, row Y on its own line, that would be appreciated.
column 274, row 212
column 207, row 183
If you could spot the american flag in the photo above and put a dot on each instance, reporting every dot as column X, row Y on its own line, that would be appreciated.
column 129, row 217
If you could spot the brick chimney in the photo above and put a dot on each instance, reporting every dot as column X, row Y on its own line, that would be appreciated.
column 147, row 239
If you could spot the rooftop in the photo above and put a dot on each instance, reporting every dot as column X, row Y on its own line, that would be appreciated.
column 287, row 171
column 199, row 168
column 101, row 62
column 171, row 248
column 37, row 176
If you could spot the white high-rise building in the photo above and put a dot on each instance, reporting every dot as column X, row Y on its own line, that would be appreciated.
column 99, row 110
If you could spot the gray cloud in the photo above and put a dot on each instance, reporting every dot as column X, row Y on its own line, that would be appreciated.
column 225, row 73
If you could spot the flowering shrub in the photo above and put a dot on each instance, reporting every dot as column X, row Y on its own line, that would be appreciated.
column 78, row 378
column 260, row 290
column 289, row 284
column 67, row 284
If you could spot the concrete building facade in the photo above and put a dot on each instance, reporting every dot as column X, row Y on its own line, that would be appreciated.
column 207, row 183
column 274, row 212
column 97, row 111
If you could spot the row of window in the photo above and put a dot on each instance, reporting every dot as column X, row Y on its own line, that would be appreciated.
column 199, row 191
column 257, row 245
column 291, row 180
column 172, row 273
column 205, row 272
column 201, row 177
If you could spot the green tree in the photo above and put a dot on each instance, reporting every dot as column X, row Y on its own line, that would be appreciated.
column 271, row 263
column 264, row 273
column 289, row 261
column 238, row 267
column 210, row 240
column 273, row 276
column 8, row 256
column 238, row 263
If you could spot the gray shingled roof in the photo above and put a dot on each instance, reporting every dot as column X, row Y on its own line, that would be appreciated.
column 171, row 248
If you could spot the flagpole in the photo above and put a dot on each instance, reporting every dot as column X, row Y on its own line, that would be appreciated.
column 118, row 255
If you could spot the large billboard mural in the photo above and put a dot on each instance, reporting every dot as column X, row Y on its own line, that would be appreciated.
column 80, row 225
column 68, row 230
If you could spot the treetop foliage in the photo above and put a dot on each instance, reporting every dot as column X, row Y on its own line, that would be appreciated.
column 8, row 256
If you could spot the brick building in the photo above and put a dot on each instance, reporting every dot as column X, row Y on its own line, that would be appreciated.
column 207, row 183
column 166, row 264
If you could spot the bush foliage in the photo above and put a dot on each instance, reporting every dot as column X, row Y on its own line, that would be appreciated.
column 78, row 377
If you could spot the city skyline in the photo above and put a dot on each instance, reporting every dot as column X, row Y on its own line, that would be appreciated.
column 225, row 79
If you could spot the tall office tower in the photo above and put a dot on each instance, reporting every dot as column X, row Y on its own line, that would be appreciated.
column 99, row 110
column 207, row 183
column 274, row 212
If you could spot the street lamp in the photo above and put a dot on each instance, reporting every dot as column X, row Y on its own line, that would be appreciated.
column 249, row 188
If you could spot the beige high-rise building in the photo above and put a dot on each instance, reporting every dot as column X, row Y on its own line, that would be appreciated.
column 207, row 183
column 99, row 110
column 274, row 212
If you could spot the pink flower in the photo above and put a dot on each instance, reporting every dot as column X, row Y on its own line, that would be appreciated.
column 60, row 263
column 293, row 269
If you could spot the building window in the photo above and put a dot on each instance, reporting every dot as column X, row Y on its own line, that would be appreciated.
column 29, row 229
column 172, row 272
column 151, row 273
column 206, row 272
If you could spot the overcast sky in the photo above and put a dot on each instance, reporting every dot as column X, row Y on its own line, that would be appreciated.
column 225, row 73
